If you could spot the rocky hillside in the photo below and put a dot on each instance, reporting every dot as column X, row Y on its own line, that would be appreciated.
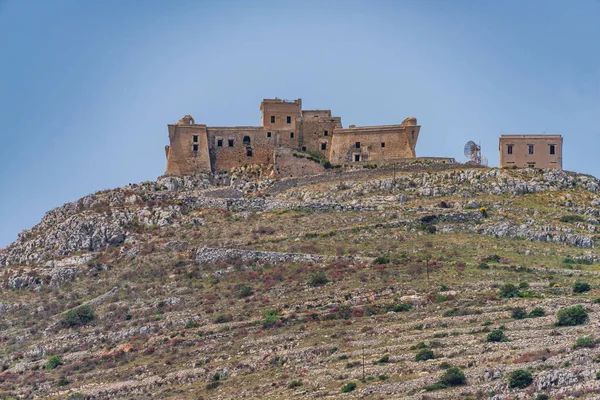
column 422, row 282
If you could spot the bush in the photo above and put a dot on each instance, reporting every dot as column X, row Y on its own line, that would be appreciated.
column 213, row 385
column 242, row 291
column 584, row 342
column 537, row 312
column 384, row 359
column 53, row 362
column 523, row 285
column 483, row 266
column 496, row 336
column 223, row 318
column 424, row 355
column 520, row 378
column 318, row 279
column 518, row 313
column 453, row 377
column 294, row 384
column 435, row 386
column 508, row 291
column 348, row 387
column 382, row 259
column 493, row 258
column 81, row 315
column 401, row 307
column 581, row 287
column 542, row 397
column 571, row 218
column 575, row 315
column 63, row 381
column 596, row 301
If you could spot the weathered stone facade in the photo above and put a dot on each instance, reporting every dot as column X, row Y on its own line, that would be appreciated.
column 196, row 147
column 534, row 151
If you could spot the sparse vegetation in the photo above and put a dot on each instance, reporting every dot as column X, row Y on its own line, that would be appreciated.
column 81, row 315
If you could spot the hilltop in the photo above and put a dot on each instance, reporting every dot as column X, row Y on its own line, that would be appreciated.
column 237, row 285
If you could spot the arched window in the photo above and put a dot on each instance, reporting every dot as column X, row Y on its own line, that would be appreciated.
column 246, row 140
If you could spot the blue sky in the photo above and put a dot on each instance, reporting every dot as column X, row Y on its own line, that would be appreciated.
column 88, row 87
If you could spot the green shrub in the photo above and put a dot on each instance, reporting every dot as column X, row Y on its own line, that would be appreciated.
column 453, row 377
column 242, row 291
column 401, row 307
column 213, row 385
column 536, row 312
column 508, row 291
column 318, row 279
column 424, row 355
column 575, row 315
column 81, row 315
column 435, row 386
column 581, row 287
column 520, row 378
column 294, row 384
column 598, row 375
column 542, row 397
column 596, row 301
column 223, row 318
column 518, row 313
column 523, row 285
column 63, row 381
column 382, row 259
column 584, row 342
column 384, row 359
column 348, row 387
column 53, row 362
column 496, row 336
column 571, row 218
column 493, row 258
column 382, row 377
column 483, row 266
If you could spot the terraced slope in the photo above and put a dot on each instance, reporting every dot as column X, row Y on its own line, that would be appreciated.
column 368, row 284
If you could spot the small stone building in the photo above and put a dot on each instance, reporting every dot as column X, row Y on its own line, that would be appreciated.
column 196, row 147
column 534, row 151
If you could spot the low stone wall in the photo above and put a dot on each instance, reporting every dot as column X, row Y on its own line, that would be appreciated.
column 211, row 255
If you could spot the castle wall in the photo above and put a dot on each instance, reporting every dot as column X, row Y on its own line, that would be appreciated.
column 287, row 165
column 521, row 157
column 182, row 159
column 317, row 132
column 228, row 148
column 374, row 143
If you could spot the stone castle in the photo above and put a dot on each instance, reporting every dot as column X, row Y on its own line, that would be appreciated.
column 285, row 125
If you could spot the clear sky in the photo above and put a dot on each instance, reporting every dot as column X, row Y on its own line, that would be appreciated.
column 88, row 87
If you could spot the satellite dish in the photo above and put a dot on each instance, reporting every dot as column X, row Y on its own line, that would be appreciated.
column 473, row 153
column 471, row 150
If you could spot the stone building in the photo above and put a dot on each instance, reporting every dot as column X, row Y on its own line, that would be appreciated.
column 535, row 151
column 285, row 125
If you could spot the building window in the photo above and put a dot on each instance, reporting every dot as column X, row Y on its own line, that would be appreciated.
column 291, row 135
column 195, row 138
column 552, row 149
column 413, row 134
column 268, row 134
column 272, row 119
column 246, row 140
column 249, row 152
column 303, row 148
column 230, row 142
column 323, row 146
column 382, row 144
column 220, row 143
column 289, row 119
column 357, row 145
column 357, row 157
column 325, row 133
column 195, row 147
column 509, row 148
column 531, row 165
column 530, row 148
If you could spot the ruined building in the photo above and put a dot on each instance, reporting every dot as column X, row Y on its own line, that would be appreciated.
column 534, row 151
column 285, row 125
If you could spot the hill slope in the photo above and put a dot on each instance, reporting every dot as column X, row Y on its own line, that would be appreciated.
column 239, row 286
